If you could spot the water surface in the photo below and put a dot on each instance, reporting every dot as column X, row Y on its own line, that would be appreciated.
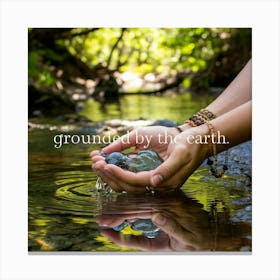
column 67, row 214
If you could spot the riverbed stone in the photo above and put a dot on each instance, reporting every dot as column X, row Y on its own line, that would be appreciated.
column 145, row 160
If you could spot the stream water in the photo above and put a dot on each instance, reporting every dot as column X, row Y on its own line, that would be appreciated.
column 66, row 213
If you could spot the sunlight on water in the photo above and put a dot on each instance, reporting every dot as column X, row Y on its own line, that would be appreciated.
column 176, row 108
column 66, row 213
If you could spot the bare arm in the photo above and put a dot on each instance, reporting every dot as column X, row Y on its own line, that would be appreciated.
column 184, row 157
column 235, row 125
column 238, row 92
column 233, row 110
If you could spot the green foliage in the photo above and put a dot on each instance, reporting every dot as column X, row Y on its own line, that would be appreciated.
column 33, row 63
column 46, row 78
column 211, row 54
column 158, row 50
column 186, row 82
column 39, row 72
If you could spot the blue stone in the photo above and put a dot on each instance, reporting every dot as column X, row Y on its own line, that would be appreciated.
column 146, row 227
column 145, row 160
column 121, row 226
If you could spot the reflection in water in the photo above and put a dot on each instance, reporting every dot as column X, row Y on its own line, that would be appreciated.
column 66, row 213
column 188, row 226
column 142, row 226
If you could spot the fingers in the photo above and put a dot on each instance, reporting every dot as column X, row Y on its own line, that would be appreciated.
column 124, row 142
column 122, row 185
column 107, row 178
column 168, row 225
column 119, row 179
column 97, row 158
column 170, row 167
column 130, row 241
column 176, row 232
column 136, row 242
column 168, row 174
column 123, row 180
column 98, row 163
column 94, row 153
column 109, row 181
column 140, row 179
column 118, row 183
column 112, row 220
column 109, row 221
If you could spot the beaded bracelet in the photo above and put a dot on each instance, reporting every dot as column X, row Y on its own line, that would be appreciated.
column 204, row 116
column 213, row 164
column 191, row 123
column 201, row 117
column 208, row 114
column 197, row 120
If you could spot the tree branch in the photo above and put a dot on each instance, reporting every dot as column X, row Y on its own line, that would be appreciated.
column 115, row 46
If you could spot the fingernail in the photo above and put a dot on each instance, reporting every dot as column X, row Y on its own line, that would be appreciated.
column 159, row 219
column 156, row 179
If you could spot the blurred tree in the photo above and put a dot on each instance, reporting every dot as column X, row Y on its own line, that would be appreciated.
column 71, row 64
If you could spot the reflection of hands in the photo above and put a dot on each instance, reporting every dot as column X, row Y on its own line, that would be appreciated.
column 184, row 224
column 107, row 222
column 188, row 236
column 180, row 160
column 174, row 237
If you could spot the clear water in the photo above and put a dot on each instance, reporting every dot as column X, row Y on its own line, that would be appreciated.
column 66, row 213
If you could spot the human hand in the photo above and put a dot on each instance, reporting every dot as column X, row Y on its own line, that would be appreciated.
column 184, row 224
column 180, row 157
column 143, row 138
column 173, row 236
column 150, row 136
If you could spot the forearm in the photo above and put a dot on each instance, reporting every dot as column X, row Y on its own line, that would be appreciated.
column 235, row 125
column 238, row 92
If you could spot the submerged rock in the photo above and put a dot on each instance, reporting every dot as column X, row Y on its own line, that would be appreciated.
column 116, row 158
column 146, row 227
column 145, row 160
column 143, row 226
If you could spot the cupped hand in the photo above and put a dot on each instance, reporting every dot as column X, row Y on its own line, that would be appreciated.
column 180, row 231
column 185, row 224
column 184, row 234
column 150, row 137
column 180, row 157
column 174, row 236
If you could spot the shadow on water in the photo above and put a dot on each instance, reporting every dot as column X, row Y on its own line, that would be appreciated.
column 66, row 213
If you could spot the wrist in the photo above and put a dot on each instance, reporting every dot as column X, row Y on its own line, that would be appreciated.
column 184, row 127
column 198, row 136
column 198, row 119
column 204, row 134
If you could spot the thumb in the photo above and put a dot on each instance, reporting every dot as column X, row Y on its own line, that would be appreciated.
column 126, row 141
column 168, row 225
column 175, row 231
column 169, row 168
